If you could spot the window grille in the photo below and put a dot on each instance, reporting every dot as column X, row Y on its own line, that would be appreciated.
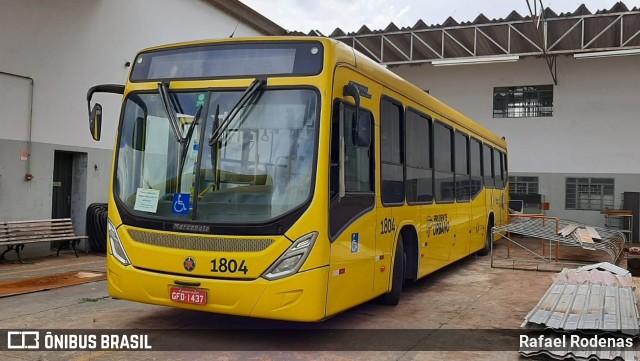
column 589, row 193
column 523, row 101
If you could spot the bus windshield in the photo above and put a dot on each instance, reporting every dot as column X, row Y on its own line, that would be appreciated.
column 259, row 165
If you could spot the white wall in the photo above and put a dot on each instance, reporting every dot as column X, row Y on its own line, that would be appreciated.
column 595, row 127
column 67, row 46
column 594, row 130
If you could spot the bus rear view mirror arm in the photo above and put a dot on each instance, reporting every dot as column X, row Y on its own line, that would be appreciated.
column 95, row 113
column 351, row 90
column 361, row 128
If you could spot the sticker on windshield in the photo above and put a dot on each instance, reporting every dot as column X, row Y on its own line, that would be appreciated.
column 181, row 203
column 200, row 101
column 147, row 200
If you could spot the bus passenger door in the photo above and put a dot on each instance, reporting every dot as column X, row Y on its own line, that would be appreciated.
column 352, row 213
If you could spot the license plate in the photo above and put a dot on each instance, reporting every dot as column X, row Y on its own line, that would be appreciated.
column 193, row 296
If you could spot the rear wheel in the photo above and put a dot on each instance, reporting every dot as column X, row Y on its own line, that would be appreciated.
column 399, row 260
column 487, row 241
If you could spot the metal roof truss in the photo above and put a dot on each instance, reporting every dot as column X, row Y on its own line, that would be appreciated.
column 548, row 37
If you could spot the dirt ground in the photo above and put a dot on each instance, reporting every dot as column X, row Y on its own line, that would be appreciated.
column 486, row 305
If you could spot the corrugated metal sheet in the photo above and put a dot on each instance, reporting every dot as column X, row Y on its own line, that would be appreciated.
column 588, row 300
column 605, row 266
column 587, row 307
column 596, row 278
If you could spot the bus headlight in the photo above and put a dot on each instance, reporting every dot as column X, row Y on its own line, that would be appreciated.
column 117, row 250
column 292, row 259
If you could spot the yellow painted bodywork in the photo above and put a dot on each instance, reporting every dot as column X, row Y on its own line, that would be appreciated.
column 333, row 278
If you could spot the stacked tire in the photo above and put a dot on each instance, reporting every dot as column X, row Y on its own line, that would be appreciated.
column 97, row 227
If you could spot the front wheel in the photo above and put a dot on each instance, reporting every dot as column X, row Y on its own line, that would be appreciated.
column 393, row 297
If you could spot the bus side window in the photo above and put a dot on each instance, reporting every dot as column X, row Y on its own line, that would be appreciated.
column 418, row 162
column 497, row 169
column 391, row 152
column 476, row 166
column 463, row 186
column 443, row 163
column 358, row 160
column 487, row 168
column 505, row 172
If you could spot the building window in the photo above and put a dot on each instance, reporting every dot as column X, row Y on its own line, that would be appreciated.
column 523, row 101
column 589, row 193
column 523, row 185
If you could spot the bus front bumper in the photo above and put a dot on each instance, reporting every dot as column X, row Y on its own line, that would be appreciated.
column 300, row 297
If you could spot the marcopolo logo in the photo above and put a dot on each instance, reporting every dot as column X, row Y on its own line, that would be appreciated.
column 189, row 264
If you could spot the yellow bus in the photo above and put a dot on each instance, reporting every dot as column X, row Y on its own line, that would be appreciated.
column 288, row 178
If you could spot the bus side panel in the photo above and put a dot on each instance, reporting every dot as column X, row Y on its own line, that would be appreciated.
column 478, row 221
column 435, row 240
column 351, row 267
column 459, row 216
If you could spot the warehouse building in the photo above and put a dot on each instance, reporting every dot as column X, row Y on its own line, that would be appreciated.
column 52, row 52
column 561, row 88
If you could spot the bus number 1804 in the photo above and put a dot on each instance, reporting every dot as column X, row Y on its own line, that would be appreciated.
column 223, row 265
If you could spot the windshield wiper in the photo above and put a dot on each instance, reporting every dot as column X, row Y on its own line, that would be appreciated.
column 185, row 144
column 248, row 94
column 171, row 114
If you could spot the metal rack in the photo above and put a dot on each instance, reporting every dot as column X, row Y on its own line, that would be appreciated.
column 620, row 220
column 522, row 250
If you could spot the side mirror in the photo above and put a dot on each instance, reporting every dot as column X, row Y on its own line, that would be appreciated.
column 361, row 131
column 95, row 113
column 95, row 121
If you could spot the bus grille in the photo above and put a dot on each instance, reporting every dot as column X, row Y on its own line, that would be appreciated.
column 198, row 243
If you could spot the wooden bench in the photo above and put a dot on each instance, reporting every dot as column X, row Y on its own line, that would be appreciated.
column 16, row 234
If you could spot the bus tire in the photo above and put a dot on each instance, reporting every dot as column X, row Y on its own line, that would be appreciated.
column 399, row 259
column 487, row 241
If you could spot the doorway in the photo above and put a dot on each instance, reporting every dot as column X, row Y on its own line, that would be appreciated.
column 62, row 185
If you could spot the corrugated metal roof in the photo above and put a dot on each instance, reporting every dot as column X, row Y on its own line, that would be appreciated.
column 588, row 301
column 567, row 33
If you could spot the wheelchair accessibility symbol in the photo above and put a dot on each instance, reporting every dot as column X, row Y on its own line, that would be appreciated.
column 355, row 242
column 181, row 203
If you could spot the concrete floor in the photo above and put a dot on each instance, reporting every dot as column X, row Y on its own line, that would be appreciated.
column 468, row 296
